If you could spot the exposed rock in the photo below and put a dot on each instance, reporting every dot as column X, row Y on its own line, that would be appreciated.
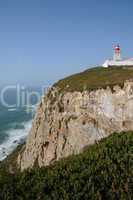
column 66, row 123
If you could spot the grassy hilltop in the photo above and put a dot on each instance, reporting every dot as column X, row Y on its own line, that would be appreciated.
column 95, row 78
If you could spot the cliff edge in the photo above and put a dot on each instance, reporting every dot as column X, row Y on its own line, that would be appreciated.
column 78, row 111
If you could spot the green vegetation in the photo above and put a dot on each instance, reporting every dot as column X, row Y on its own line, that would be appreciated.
column 102, row 171
column 10, row 163
column 95, row 78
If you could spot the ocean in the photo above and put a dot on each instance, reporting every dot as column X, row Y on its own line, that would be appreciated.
column 17, row 108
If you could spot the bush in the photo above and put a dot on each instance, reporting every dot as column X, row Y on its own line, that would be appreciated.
column 103, row 171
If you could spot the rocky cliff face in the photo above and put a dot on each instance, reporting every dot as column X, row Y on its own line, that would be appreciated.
column 68, row 122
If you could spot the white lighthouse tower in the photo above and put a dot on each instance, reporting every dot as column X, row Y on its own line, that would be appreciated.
column 117, row 61
column 117, row 53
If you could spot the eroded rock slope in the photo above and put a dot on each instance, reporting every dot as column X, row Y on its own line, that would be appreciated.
column 65, row 123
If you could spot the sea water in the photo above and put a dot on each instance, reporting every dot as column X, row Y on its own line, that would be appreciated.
column 15, row 121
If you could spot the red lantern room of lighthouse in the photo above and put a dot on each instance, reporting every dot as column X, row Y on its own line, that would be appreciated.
column 117, row 53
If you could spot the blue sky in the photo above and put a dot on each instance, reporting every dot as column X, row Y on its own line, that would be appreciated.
column 42, row 40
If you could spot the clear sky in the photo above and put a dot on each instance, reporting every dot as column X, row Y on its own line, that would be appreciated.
column 42, row 40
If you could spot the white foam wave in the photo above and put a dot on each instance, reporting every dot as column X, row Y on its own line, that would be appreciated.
column 15, row 137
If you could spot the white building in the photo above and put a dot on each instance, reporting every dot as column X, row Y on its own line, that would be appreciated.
column 117, row 60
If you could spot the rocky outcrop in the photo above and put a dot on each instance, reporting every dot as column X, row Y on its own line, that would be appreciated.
column 65, row 123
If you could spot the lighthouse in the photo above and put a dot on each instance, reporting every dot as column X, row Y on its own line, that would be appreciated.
column 117, row 61
column 117, row 53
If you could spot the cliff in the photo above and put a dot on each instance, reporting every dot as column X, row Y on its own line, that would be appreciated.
column 77, row 112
